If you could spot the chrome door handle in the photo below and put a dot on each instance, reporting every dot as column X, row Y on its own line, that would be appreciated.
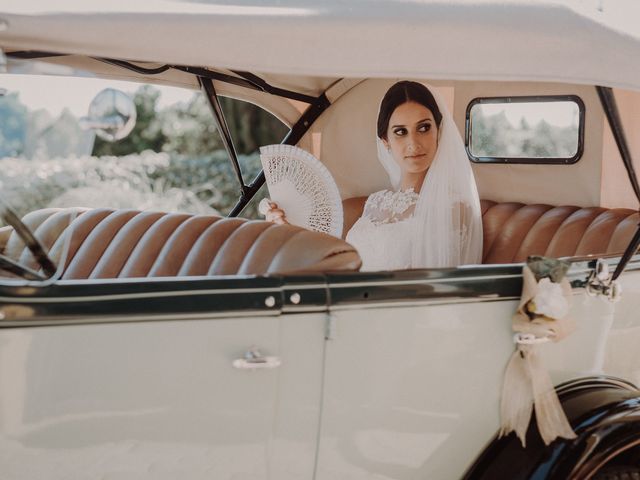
column 254, row 360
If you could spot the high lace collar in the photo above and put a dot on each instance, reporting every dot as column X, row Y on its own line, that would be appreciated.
column 388, row 206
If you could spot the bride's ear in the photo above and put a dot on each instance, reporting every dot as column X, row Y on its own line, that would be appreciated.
column 385, row 143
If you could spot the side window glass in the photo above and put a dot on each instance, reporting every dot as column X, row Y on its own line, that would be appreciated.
column 173, row 159
column 548, row 129
column 251, row 127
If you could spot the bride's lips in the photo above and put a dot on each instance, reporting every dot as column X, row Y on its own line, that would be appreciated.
column 415, row 156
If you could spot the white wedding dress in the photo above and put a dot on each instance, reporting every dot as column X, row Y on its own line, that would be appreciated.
column 441, row 227
column 382, row 235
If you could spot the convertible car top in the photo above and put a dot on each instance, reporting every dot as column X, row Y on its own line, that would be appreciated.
column 458, row 39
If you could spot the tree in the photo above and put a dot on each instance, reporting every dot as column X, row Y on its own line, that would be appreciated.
column 251, row 126
column 542, row 141
column 492, row 134
column 56, row 138
column 13, row 127
column 189, row 128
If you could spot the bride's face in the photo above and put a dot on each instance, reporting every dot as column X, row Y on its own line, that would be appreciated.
column 412, row 137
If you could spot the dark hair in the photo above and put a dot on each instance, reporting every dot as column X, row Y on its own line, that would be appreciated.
column 403, row 92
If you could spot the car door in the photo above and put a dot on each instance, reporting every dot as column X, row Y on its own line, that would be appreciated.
column 415, row 363
column 165, row 380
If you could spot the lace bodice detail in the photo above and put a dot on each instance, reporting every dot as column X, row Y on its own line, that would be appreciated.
column 382, row 234
column 387, row 206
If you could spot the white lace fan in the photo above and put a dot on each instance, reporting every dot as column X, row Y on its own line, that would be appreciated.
column 303, row 188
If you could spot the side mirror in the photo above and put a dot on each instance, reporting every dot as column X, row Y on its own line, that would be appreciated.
column 112, row 115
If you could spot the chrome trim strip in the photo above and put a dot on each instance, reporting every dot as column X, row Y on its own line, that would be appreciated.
column 287, row 288
column 318, row 286
column 419, row 303
column 425, row 281
column 60, row 303
column 126, row 296
column 177, row 317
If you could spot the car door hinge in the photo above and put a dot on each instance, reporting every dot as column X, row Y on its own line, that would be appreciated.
column 601, row 282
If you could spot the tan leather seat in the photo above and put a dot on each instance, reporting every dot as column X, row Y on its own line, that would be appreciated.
column 512, row 231
column 127, row 243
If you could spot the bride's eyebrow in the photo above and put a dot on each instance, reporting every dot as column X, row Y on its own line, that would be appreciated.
column 419, row 121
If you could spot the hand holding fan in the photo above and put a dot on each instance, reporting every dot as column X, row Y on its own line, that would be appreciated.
column 303, row 187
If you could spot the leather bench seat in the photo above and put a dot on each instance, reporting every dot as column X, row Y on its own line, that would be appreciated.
column 127, row 243
column 512, row 231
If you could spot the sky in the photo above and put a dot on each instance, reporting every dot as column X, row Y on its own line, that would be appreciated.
column 561, row 114
column 53, row 93
column 76, row 94
column 230, row 7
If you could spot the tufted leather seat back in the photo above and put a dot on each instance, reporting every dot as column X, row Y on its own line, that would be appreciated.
column 512, row 231
column 127, row 243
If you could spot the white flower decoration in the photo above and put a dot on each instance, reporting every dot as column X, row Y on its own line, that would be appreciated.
column 550, row 301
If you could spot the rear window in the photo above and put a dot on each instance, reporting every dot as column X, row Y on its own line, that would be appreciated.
column 542, row 129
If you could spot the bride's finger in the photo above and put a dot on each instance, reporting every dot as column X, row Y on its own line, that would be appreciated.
column 274, row 215
column 277, row 216
column 264, row 206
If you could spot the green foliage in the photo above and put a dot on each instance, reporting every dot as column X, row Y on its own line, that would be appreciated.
column 189, row 129
column 13, row 125
column 251, row 126
column 156, row 181
column 59, row 138
column 210, row 177
column 494, row 136
column 172, row 160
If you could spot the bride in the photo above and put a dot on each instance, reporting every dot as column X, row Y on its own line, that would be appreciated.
column 432, row 216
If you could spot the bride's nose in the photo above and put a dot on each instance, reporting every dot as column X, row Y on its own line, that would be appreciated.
column 412, row 144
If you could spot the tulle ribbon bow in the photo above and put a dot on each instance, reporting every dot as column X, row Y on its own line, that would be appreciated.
column 542, row 316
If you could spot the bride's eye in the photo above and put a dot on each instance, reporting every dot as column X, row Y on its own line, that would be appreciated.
column 424, row 127
column 400, row 132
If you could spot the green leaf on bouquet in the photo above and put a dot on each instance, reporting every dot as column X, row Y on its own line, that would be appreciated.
column 543, row 267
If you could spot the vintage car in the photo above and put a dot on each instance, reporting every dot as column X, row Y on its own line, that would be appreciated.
column 158, row 344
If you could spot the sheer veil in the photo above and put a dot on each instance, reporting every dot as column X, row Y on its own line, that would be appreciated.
column 447, row 230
